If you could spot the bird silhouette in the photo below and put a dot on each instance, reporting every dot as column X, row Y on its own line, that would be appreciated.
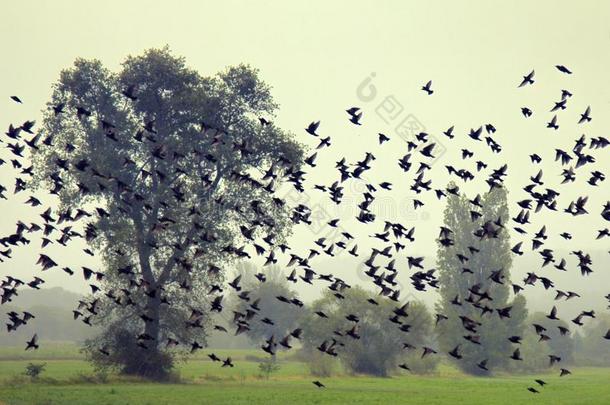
column 312, row 128
column 527, row 79
column 32, row 343
column 585, row 116
column 428, row 88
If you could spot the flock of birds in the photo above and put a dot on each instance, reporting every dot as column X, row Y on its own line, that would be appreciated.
column 394, row 235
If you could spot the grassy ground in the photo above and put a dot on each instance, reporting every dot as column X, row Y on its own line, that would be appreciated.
column 67, row 380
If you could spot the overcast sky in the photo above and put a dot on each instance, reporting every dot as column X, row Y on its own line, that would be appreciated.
column 322, row 57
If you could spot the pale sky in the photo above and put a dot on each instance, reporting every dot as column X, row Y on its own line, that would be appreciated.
column 316, row 54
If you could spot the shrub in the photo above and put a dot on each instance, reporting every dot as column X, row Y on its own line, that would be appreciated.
column 380, row 346
column 321, row 365
column 268, row 366
column 535, row 355
column 417, row 365
column 33, row 370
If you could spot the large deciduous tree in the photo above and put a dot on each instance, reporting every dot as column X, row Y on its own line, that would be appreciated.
column 174, row 173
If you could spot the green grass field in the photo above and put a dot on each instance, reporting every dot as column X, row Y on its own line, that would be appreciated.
column 67, row 380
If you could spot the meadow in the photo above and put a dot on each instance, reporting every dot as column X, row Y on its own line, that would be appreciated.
column 68, row 379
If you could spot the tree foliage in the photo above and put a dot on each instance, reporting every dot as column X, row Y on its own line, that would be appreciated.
column 559, row 345
column 379, row 349
column 268, row 366
column 591, row 348
column 263, row 295
column 166, row 178
column 493, row 255
column 33, row 370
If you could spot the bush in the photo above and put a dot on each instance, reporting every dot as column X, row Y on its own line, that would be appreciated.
column 535, row 355
column 417, row 365
column 268, row 366
column 321, row 365
column 33, row 370
column 380, row 346
column 559, row 345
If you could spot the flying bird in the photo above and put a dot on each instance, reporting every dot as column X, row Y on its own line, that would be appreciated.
column 428, row 88
column 312, row 128
column 586, row 116
column 32, row 343
column 527, row 79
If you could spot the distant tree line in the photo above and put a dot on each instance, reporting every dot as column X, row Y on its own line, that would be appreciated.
column 380, row 353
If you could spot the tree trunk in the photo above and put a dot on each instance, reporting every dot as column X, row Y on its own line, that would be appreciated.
column 152, row 328
column 152, row 362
